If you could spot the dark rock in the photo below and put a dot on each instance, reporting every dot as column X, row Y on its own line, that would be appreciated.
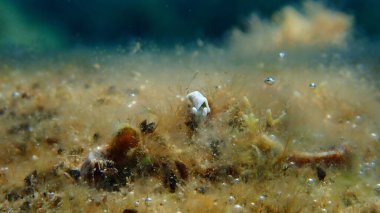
column 25, row 206
column 146, row 127
column 182, row 169
column 215, row 146
column 321, row 173
column 52, row 140
column 220, row 172
column 2, row 110
column 23, row 127
column 31, row 179
column 96, row 137
column 74, row 173
column 201, row 189
column 60, row 150
column 170, row 179
column 191, row 123
column 130, row 211
column 12, row 196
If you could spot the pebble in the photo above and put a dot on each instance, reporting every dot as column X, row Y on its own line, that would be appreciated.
column 321, row 173
column 74, row 173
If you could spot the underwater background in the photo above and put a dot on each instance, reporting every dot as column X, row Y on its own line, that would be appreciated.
column 41, row 24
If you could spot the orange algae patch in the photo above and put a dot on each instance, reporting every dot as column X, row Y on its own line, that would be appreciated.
column 124, row 140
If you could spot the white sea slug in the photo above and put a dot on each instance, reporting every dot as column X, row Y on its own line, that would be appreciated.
column 199, row 103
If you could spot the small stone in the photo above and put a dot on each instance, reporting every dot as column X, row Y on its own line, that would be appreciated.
column 182, row 169
column 269, row 80
column 25, row 206
column 136, row 203
column 146, row 127
column 201, row 189
column 31, row 179
column 96, row 137
column 172, row 181
column 12, row 196
column 129, row 211
column 74, row 173
column 321, row 173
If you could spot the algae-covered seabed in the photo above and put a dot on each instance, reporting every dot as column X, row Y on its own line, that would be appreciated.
column 56, row 110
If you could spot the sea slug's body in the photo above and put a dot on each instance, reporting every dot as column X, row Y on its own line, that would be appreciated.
column 199, row 103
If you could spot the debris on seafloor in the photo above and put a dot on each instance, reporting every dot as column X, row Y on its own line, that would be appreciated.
column 271, row 121
column 321, row 173
column 146, row 127
column 269, row 143
column 252, row 123
column 339, row 155
column 110, row 166
column 104, row 166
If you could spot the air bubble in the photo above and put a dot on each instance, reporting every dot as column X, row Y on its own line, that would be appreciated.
column 231, row 199
column 282, row 54
column 238, row 207
column 313, row 85
column 311, row 181
column 148, row 201
column 15, row 94
column 236, row 181
column 269, row 80
column 262, row 197
column 133, row 92
column 374, row 136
